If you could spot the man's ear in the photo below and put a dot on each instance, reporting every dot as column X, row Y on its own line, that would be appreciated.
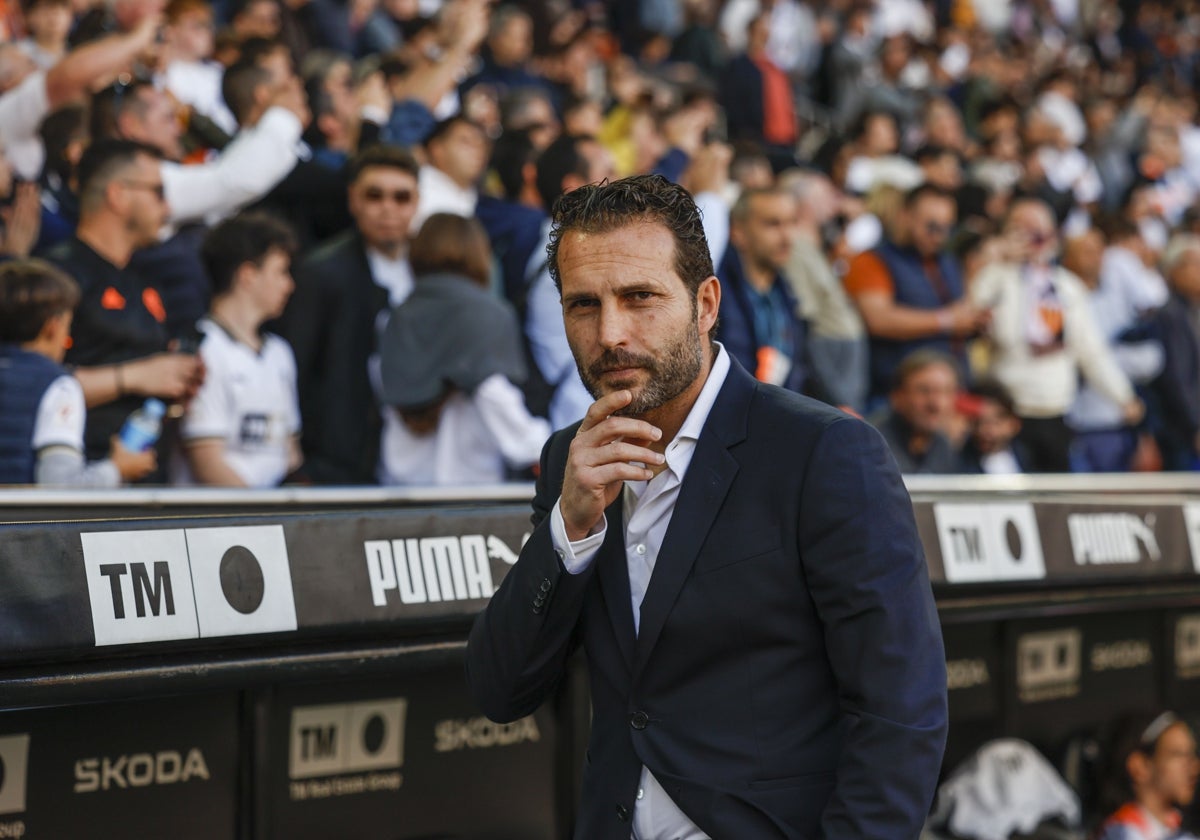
column 708, row 304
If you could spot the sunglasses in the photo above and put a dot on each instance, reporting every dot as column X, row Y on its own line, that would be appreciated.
column 375, row 195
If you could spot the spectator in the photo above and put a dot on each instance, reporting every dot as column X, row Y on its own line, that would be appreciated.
column 758, row 98
column 311, row 196
column 529, row 109
column 1121, row 292
column 118, row 337
column 837, row 344
column 1157, row 767
column 759, row 324
column 920, row 410
column 49, row 24
column 451, row 354
column 249, row 166
column 513, row 219
column 243, row 427
column 42, row 409
column 333, row 320
column 909, row 290
column 27, row 94
column 190, row 74
column 992, row 446
column 1043, row 335
column 261, row 154
column 458, row 154
column 506, row 53
column 345, row 117
column 64, row 136
column 1177, row 388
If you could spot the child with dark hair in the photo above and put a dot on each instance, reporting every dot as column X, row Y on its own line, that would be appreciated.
column 242, row 429
column 1154, row 771
column 42, row 409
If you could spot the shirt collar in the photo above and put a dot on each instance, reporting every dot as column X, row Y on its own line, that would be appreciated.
column 694, row 423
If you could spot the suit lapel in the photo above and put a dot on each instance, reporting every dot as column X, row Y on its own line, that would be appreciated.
column 614, row 579
column 705, row 486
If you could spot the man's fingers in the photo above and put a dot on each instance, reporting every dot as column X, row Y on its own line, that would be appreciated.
column 620, row 451
column 612, row 428
column 604, row 407
column 607, row 474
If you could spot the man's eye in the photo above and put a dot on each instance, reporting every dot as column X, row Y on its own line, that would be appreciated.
column 642, row 295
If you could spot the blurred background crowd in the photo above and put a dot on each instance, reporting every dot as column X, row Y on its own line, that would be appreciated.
column 316, row 229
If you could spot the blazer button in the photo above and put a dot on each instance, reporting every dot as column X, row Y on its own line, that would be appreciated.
column 639, row 720
column 545, row 587
column 622, row 813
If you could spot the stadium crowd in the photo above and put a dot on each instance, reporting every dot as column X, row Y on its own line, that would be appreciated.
column 974, row 223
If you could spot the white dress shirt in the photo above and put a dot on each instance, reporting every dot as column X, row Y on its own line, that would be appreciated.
column 648, row 507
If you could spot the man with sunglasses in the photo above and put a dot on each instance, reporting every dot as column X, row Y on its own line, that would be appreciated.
column 119, row 338
column 344, row 290
column 909, row 290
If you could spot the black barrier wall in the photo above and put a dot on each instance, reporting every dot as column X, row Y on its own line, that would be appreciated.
column 290, row 664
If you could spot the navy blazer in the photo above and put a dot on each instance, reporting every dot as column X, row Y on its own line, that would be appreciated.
column 789, row 678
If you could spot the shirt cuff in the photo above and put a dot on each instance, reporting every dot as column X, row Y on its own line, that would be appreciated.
column 576, row 556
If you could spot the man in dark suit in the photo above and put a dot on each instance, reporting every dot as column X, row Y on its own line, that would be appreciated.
column 334, row 318
column 739, row 562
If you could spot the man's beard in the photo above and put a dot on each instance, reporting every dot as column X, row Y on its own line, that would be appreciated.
column 669, row 375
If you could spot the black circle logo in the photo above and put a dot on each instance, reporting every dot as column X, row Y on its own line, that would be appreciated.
column 374, row 734
column 1012, row 535
column 242, row 579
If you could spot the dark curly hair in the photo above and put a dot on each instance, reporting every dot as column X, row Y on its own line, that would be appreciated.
column 607, row 206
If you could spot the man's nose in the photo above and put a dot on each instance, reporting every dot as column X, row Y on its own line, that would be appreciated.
column 613, row 326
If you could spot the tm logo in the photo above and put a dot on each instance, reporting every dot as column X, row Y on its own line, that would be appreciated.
column 148, row 586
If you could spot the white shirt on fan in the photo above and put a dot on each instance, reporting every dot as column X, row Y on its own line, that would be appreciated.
column 248, row 400
column 478, row 437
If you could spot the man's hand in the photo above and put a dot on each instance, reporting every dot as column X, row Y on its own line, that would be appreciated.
column 1133, row 412
column 132, row 465
column 290, row 95
column 600, row 462
column 171, row 376
column 22, row 221
column 963, row 318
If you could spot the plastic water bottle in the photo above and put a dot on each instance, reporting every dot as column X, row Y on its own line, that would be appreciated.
column 142, row 428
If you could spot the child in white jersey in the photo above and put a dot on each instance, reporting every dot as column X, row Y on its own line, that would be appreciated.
column 242, row 429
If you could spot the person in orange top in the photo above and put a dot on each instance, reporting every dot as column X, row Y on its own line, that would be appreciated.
column 910, row 292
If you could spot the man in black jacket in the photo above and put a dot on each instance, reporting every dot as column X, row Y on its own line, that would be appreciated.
column 344, row 290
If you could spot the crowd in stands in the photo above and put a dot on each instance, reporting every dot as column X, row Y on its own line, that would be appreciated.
column 972, row 222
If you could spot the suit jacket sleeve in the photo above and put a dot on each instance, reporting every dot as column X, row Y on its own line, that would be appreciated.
column 867, row 575
column 519, row 644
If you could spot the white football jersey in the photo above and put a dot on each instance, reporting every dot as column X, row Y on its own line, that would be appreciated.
column 248, row 400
